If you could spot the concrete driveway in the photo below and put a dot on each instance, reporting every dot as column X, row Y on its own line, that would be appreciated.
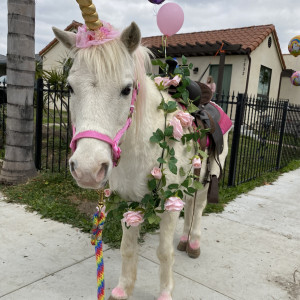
column 251, row 251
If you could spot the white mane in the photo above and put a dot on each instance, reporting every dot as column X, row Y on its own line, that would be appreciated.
column 102, row 61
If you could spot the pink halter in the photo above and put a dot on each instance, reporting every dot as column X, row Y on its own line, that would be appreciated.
column 116, row 150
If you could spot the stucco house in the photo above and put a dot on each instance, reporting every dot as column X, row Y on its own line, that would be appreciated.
column 287, row 90
column 249, row 58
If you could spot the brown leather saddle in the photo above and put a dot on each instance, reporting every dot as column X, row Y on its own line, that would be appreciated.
column 208, row 116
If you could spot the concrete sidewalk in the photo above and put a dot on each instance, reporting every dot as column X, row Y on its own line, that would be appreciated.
column 251, row 251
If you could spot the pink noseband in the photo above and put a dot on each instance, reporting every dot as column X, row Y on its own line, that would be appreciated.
column 116, row 150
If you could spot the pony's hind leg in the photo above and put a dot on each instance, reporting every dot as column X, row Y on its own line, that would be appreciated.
column 188, row 212
column 165, row 253
column 195, row 216
column 129, row 252
column 193, row 209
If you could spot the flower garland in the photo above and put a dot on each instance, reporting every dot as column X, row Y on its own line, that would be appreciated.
column 162, row 197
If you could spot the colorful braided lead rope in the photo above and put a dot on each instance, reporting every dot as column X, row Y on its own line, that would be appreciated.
column 98, row 223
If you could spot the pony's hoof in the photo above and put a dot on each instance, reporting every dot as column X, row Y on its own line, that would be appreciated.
column 192, row 252
column 118, row 294
column 165, row 296
column 182, row 246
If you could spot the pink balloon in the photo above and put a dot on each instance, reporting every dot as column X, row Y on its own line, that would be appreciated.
column 170, row 18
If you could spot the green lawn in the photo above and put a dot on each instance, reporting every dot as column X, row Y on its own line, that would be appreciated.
column 59, row 198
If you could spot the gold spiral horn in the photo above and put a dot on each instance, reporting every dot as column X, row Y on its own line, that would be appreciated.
column 89, row 14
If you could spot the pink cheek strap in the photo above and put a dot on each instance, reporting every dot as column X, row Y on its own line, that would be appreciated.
column 116, row 150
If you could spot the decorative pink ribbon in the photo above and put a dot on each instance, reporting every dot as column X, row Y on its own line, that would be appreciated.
column 116, row 150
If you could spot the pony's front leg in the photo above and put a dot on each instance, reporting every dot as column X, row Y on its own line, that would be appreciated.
column 165, row 253
column 129, row 252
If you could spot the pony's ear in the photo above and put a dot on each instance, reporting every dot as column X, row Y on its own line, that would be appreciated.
column 67, row 38
column 131, row 37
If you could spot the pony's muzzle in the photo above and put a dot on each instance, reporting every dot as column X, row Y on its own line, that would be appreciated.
column 93, row 177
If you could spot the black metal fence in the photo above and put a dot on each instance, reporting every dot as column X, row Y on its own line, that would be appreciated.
column 53, row 127
column 265, row 135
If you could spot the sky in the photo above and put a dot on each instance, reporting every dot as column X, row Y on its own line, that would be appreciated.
column 200, row 15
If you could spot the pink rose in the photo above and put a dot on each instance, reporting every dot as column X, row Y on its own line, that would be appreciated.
column 174, row 204
column 156, row 173
column 166, row 81
column 177, row 128
column 158, row 80
column 107, row 192
column 185, row 118
column 133, row 218
column 196, row 162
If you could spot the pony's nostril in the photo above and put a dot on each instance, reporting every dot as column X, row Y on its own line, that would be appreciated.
column 74, row 170
column 72, row 166
column 102, row 172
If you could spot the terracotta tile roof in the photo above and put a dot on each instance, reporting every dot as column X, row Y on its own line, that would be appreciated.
column 249, row 38
column 73, row 25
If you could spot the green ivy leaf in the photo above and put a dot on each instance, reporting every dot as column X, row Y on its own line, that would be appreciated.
column 147, row 198
column 161, row 160
column 180, row 194
column 176, row 96
column 157, row 136
column 188, row 147
column 173, row 160
column 167, row 194
column 172, row 106
column 184, row 60
column 202, row 154
column 185, row 183
column 186, row 72
column 172, row 152
column 190, row 66
column 153, row 219
column 152, row 184
column 181, row 172
column 192, row 108
column 185, row 96
column 173, row 168
column 169, row 131
column 158, row 62
column 186, row 192
column 173, row 186
column 191, row 190
column 163, row 145
column 197, row 185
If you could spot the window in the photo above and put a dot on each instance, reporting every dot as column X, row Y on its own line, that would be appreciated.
column 264, row 82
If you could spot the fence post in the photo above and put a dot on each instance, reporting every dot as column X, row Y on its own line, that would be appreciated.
column 282, row 127
column 236, row 138
column 39, row 124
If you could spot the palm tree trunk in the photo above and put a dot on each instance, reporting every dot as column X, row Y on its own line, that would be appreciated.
column 18, row 163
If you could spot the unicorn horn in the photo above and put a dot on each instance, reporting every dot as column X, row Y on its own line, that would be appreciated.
column 89, row 14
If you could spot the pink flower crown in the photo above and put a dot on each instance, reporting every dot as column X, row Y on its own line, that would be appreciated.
column 86, row 38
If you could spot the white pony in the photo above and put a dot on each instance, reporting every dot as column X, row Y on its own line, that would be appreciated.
column 102, row 80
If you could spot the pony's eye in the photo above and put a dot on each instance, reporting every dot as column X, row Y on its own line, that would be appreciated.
column 70, row 88
column 126, row 91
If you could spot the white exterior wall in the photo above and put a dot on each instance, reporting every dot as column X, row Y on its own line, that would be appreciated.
column 268, row 57
column 289, row 91
column 53, row 57
column 239, row 69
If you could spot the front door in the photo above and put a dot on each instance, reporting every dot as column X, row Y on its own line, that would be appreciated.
column 214, row 71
